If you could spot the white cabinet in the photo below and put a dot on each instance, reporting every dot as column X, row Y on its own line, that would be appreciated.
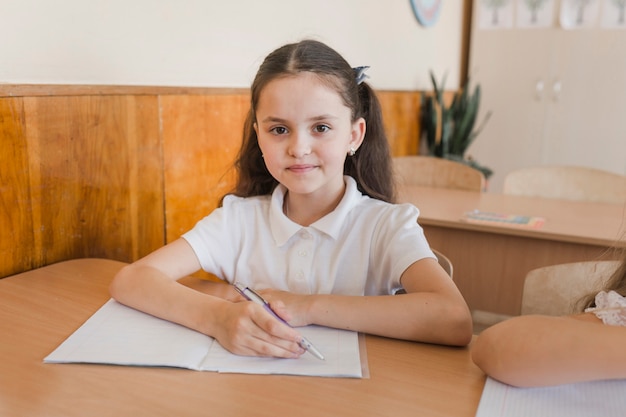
column 557, row 96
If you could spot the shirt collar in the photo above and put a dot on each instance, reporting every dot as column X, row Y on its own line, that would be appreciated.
column 283, row 228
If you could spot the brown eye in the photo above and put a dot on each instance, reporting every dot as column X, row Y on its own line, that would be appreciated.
column 322, row 128
column 279, row 130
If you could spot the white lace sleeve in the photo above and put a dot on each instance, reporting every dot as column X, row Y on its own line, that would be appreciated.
column 610, row 308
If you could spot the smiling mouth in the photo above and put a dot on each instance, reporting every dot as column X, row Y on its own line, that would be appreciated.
column 301, row 168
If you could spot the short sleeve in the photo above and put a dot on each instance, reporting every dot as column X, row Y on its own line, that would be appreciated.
column 610, row 308
column 398, row 242
column 214, row 238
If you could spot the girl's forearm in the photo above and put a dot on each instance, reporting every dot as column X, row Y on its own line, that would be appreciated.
column 143, row 288
column 424, row 317
column 542, row 350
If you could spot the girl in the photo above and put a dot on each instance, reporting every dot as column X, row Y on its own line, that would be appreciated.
column 542, row 350
column 310, row 223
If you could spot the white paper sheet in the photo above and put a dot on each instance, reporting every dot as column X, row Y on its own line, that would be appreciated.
column 585, row 399
column 120, row 335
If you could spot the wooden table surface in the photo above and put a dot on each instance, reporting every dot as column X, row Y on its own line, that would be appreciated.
column 491, row 260
column 41, row 308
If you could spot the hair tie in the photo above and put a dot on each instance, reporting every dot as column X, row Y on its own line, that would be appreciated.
column 360, row 74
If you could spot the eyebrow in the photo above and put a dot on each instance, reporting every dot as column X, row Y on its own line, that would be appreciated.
column 272, row 119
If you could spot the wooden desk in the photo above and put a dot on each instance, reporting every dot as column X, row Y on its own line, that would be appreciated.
column 41, row 308
column 491, row 261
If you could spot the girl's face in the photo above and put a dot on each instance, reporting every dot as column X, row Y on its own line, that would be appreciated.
column 305, row 133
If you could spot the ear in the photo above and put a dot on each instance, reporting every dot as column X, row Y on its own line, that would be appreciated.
column 358, row 133
column 256, row 129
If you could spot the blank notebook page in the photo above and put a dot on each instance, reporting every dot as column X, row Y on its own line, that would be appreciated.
column 585, row 399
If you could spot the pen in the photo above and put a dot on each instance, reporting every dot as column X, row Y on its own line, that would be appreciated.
column 251, row 295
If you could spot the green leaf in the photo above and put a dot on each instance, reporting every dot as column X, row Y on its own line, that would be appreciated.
column 450, row 130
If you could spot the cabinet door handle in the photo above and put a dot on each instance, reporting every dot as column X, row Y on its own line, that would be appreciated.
column 539, row 87
column 556, row 90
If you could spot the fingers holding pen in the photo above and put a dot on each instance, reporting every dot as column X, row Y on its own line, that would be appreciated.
column 252, row 331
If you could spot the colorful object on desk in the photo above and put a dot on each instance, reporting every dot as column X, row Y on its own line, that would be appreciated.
column 514, row 220
column 251, row 295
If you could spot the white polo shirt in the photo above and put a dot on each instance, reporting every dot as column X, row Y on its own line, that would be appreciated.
column 361, row 248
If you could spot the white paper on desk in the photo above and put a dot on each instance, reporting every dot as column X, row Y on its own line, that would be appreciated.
column 117, row 334
column 585, row 399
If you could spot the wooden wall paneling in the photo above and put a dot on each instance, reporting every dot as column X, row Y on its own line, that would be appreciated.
column 201, row 137
column 142, row 136
column 401, row 117
column 116, row 172
column 96, row 183
column 17, row 244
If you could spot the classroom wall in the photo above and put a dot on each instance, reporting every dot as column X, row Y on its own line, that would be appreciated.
column 119, row 119
column 217, row 43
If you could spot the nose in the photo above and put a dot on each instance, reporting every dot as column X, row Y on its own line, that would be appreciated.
column 299, row 145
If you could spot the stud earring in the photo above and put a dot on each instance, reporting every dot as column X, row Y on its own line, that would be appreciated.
column 352, row 151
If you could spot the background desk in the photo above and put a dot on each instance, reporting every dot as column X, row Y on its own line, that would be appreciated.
column 41, row 308
column 491, row 261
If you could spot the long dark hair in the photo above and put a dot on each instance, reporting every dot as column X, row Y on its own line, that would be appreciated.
column 370, row 166
column 616, row 283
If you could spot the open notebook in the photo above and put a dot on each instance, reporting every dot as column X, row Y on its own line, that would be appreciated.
column 585, row 399
column 120, row 335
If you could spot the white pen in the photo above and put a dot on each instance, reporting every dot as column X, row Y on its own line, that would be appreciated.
column 251, row 295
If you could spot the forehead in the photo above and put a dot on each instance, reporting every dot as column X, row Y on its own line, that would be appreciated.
column 301, row 91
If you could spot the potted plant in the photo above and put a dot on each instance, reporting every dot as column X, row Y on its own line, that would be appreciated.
column 449, row 130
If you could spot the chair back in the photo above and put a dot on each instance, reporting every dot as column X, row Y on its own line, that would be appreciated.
column 567, row 182
column 555, row 290
column 445, row 263
column 430, row 171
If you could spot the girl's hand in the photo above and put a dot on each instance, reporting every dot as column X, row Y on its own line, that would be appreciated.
column 293, row 308
column 248, row 329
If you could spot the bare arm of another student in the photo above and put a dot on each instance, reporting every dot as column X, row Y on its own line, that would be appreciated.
column 150, row 285
column 538, row 350
column 433, row 309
